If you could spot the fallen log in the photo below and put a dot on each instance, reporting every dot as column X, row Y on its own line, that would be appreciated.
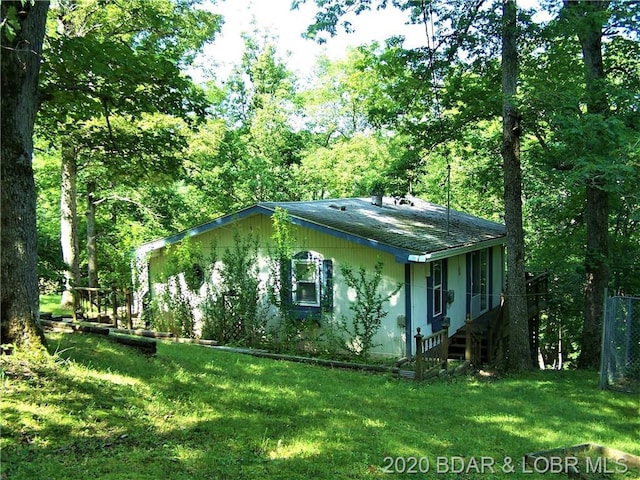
column 143, row 333
column 73, row 327
column 145, row 345
column 196, row 341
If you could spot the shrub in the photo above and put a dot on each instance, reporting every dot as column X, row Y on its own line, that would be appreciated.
column 368, row 311
column 232, row 311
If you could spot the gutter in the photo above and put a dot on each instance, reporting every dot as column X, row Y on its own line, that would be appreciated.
column 451, row 252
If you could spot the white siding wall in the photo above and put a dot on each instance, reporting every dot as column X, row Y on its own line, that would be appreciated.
column 457, row 281
column 419, row 274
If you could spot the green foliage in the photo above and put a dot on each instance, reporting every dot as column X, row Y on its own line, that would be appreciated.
column 114, row 95
column 318, row 337
column 47, row 177
column 286, row 332
column 347, row 167
column 173, row 308
column 183, row 260
column 367, row 309
column 279, row 258
column 232, row 312
column 10, row 25
column 211, row 297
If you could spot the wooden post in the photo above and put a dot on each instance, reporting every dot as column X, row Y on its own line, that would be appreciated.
column 467, row 347
column 419, row 358
column 114, row 305
column 445, row 342
column 129, row 306
column 76, row 304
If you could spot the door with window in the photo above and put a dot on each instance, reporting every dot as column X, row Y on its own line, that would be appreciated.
column 437, row 294
column 479, row 282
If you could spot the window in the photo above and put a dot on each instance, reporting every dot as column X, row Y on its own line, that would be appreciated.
column 436, row 293
column 311, row 283
column 436, row 275
column 306, row 281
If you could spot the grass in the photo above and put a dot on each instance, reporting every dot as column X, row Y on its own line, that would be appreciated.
column 51, row 304
column 96, row 409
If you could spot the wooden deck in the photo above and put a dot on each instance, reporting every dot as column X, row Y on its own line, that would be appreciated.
column 484, row 339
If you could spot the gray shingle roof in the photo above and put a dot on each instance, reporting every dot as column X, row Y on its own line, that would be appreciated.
column 412, row 225
column 411, row 228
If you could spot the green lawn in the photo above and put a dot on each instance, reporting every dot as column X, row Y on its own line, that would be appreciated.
column 105, row 411
column 51, row 304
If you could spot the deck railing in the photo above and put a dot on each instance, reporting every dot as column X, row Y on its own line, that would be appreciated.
column 103, row 305
column 432, row 352
column 537, row 291
column 473, row 343
column 537, row 286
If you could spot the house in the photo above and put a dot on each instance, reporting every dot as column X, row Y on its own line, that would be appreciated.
column 449, row 264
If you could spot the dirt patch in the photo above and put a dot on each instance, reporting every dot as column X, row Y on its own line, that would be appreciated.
column 587, row 461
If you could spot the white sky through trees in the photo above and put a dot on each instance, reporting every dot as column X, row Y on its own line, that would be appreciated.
column 275, row 18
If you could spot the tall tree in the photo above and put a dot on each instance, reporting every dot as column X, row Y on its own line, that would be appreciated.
column 261, row 151
column 568, row 146
column 588, row 19
column 107, row 62
column 466, row 43
column 519, row 355
column 22, row 34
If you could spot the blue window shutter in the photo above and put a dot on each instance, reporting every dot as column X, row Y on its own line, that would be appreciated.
column 490, row 277
column 429, row 298
column 445, row 286
column 327, row 285
column 468, row 293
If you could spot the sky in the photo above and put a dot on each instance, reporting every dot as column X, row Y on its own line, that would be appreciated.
column 276, row 18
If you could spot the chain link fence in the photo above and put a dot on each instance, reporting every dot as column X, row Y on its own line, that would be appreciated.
column 620, row 367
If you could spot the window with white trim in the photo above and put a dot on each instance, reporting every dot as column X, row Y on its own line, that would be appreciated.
column 306, row 276
column 436, row 288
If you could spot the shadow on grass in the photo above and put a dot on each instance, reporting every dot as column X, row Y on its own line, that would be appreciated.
column 191, row 412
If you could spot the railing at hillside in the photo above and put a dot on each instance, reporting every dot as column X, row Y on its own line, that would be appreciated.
column 473, row 343
column 537, row 287
column 432, row 352
column 497, row 333
column 103, row 305
column 537, row 292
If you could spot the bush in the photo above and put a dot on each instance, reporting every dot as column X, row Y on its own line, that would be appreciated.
column 368, row 311
column 232, row 312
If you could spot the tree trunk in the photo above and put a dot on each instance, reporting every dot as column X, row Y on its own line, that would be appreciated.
column 597, row 272
column 69, row 222
column 519, row 354
column 589, row 21
column 92, row 248
column 20, row 66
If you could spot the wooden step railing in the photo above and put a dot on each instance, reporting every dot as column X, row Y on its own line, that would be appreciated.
column 432, row 352
column 103, row 305
column 473, row 343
